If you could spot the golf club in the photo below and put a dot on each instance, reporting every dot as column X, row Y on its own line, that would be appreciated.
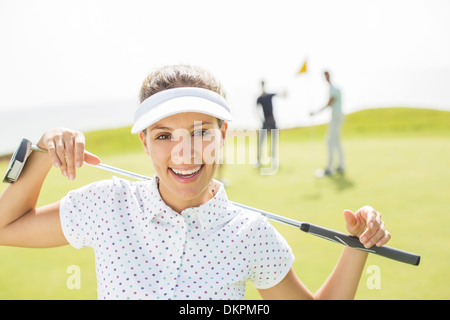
column 22, row 153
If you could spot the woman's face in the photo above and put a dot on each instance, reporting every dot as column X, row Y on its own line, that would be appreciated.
column 184, row 149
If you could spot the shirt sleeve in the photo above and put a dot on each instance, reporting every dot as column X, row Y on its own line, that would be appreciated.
column 272, row 256
column 78, row 212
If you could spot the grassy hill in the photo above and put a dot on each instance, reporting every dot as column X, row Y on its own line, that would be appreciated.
column 399, row 121
column 397, row 161
column 372, row 122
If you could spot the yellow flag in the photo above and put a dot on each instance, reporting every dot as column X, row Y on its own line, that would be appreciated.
column 304, row 68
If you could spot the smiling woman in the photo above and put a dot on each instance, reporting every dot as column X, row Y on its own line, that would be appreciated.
column 185, row 177
column 181, row 122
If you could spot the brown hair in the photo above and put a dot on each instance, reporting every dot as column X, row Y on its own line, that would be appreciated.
column 175, row 76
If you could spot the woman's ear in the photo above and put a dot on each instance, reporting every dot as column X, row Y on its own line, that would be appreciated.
column 143, row 136
column 223, row 130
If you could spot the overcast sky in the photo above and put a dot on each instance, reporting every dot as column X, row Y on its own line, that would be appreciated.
column 381, row 53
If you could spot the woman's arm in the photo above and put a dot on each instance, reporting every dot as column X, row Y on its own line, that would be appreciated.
column 340, row 285
column 21, row 224
column 343, row 281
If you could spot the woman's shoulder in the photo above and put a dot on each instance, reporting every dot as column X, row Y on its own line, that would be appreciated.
column 251, row 216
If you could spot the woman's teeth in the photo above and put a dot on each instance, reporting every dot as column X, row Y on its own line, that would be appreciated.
column 186, row 173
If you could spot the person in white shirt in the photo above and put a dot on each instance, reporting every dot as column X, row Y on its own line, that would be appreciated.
column 334, row 128
column 176, row 236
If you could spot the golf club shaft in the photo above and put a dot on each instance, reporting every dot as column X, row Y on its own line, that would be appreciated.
column 119, row 171
column 104, row 167
column 331, row 235
column 341, row 238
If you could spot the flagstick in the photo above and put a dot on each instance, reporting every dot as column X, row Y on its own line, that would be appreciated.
column 304, row 70
column 312, row 128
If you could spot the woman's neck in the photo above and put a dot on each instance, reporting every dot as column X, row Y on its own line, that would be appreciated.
column 179, row 204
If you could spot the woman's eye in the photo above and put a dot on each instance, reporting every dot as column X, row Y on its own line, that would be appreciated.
column 163, row 137
column 202, row 133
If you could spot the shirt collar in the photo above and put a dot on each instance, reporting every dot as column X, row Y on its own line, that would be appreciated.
column 217, row 211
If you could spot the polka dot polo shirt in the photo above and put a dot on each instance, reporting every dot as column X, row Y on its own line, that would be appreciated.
column 145, row 250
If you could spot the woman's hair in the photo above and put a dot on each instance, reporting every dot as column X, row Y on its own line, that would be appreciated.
column 175, row 76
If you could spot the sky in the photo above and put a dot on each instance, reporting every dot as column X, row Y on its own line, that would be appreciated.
column 78, row 55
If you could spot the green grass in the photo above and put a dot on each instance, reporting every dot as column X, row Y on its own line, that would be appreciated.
column 397, row 161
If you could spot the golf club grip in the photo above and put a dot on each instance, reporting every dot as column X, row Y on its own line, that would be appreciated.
column 338, row 237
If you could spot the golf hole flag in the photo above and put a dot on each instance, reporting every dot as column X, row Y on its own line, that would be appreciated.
column 304, row 68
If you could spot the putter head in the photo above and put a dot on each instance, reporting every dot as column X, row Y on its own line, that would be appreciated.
column 18, row 161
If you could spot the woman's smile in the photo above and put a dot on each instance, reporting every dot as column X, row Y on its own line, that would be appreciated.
column 186, row 175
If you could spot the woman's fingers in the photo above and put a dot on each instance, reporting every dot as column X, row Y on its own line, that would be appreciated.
column 70, row 155
column 79, row 144
column 91, row 158
column 368, row 226
column 375, row 232
column 74, row 149
column 66, row 149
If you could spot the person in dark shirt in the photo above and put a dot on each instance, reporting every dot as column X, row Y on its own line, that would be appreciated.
column 265, row 100
column 269, row 123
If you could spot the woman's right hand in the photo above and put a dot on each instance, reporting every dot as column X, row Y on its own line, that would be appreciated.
column 66, row 150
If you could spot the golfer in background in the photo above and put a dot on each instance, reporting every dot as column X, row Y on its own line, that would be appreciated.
column 265, row 100
column 334, row 127
column 175, row 236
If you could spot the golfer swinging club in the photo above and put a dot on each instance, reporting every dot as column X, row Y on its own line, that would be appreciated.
column 175, row 236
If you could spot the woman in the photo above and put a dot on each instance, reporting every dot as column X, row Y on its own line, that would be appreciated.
column 176, row 236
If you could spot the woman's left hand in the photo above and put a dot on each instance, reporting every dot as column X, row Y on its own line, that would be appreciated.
column 366, row 224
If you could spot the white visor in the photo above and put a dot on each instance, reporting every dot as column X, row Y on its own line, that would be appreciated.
column 179, row 100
